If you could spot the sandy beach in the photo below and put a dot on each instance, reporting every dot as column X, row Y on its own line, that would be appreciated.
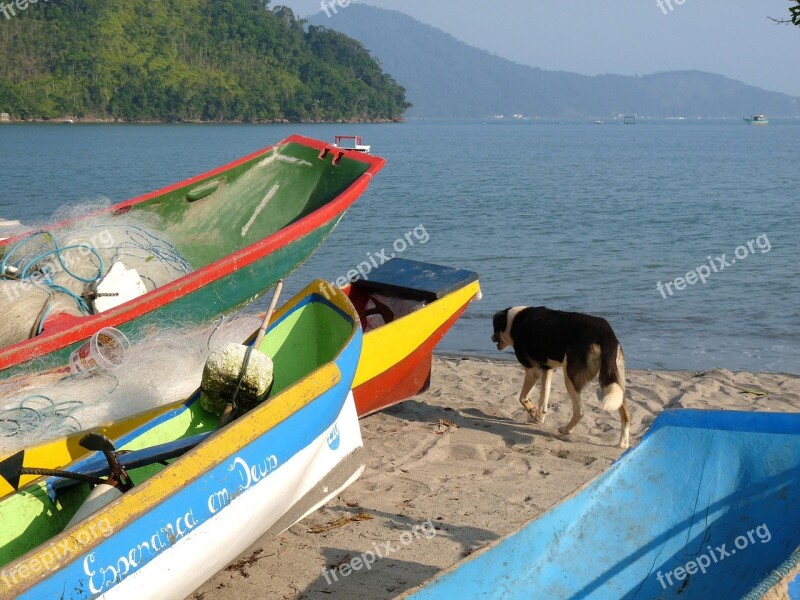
column 460, row 466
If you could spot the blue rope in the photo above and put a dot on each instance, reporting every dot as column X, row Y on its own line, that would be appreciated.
column 58, row 253
column 27, row 419
column 83, row 306
column 44, row 318
column 27, row 263
column 4, row 263
column 155, row 247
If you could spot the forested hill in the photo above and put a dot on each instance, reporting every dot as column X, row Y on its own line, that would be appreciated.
column 185, row 60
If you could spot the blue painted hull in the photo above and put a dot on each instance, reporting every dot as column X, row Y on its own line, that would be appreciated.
column 706, row 507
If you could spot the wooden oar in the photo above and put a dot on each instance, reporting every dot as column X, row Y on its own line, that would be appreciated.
column 268, row 317
column 228, row 413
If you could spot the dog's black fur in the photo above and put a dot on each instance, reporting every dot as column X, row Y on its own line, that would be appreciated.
column 541, row 334
column 585, row 345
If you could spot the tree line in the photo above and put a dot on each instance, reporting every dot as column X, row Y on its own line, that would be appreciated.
column 186, row 60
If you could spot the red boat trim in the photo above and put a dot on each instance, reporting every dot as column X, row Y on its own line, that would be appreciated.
column 35, row 347
column 404, row 380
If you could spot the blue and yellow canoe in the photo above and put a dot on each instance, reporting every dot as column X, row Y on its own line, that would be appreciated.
column 185, row 520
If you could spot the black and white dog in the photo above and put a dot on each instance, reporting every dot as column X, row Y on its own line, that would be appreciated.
column 583, row 345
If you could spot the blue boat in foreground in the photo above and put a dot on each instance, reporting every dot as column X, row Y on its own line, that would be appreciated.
column 706, row 507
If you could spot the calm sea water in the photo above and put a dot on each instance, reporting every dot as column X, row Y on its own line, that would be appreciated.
column 575, row 216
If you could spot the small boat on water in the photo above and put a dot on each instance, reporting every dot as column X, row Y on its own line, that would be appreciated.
column 351, row 142
column 757, row 120
column 10, row 229
column 233, row 232
column 404, row 307
column 706, row 506
column 201, row 494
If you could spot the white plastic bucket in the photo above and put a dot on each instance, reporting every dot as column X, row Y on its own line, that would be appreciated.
column 106, row 349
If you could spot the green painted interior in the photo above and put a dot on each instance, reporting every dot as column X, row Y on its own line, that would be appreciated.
column 251, row 201
column 308, row 337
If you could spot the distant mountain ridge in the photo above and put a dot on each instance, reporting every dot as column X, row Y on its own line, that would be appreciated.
column 446, row 78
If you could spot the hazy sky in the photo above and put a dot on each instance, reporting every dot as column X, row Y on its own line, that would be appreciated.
column 730, row 37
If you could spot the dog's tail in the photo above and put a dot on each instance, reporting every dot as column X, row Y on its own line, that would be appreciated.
column 612, row 375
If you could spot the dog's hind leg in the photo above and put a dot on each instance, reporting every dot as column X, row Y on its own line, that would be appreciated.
column 531, row 377
column 625, row 436
column 544, row 397
column 577, row 406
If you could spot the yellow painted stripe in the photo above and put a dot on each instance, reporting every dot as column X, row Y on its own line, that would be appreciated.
column 386, row 346
column 155, row 490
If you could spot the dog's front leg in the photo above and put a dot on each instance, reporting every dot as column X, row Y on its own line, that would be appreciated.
column 544, row 397
column 531, row 377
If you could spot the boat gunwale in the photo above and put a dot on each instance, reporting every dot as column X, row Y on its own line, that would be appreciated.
column 21, row 352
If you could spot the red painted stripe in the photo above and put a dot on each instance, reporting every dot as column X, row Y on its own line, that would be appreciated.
column 404, row 380
column 86, row 326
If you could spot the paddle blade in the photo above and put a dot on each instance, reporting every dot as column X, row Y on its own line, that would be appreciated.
column 97, row 442
column 11, row 468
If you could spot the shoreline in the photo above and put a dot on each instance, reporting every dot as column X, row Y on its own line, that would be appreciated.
column 464, row 457
column 71, row 120
column 506, row 358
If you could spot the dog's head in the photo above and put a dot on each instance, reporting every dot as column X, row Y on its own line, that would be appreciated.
column 502, row 326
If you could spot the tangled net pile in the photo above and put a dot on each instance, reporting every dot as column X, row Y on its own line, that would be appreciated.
column 162, row 368
column 56, row 270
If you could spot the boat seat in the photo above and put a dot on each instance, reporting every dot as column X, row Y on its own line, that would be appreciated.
column 415, row 280
column 380, row 309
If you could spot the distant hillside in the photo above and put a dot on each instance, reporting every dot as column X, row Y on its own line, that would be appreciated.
column 185, row 60
column 447, row 78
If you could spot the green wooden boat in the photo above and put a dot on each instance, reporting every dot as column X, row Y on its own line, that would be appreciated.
column 240, row 228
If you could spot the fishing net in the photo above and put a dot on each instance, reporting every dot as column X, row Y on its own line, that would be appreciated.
column 57, row 269
column 163, row 368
